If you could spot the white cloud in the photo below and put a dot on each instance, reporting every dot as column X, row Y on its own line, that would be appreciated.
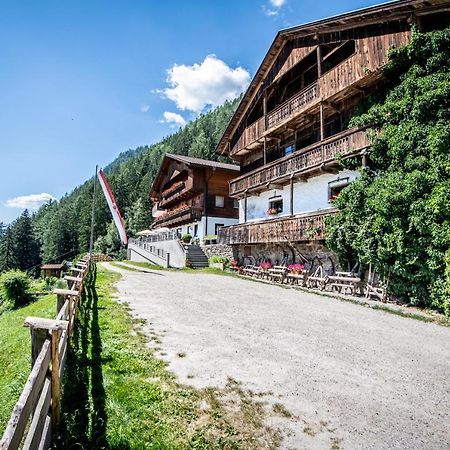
column 174, row 119
column 209, row 83
column 144, row 108
column 33, row 201
column 277, row 3
column 273, row 8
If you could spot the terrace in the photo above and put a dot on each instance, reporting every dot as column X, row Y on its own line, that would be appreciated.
column 305, row 227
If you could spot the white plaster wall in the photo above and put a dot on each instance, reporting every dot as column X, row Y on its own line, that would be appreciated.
column 212, row 221
column 177, row 257
column 308, row 197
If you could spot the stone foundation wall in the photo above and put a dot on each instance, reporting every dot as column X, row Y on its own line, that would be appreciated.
column 218, row 250
column 315, row 253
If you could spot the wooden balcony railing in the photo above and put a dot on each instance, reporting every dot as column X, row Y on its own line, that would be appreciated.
column 175, row 195
column 179, row 216
column 292, row 106
column 250, row 135
column 284, row 229
column 287, row 109
column 345, row 143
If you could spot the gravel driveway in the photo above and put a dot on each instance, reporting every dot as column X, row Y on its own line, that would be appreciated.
column 352, row 377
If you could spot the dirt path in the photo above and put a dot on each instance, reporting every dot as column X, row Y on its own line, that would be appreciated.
column 349, row 376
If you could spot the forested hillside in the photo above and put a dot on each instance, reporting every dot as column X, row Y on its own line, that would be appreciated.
column 61, row 229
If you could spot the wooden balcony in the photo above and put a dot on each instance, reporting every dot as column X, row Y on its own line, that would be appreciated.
column 251, row 136
column 298, row 103
column 303, row 161
column 178, row 193
column 293, row 106
column 306, row 227
column 179, row 216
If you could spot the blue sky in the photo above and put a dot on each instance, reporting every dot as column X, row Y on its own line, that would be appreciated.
column 81, row 81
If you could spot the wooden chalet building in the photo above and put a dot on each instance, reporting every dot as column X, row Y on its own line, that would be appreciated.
column 293, row 123
column 190, row 195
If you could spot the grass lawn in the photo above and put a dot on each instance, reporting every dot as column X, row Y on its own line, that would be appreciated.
column 118, row 395
column 15, row 354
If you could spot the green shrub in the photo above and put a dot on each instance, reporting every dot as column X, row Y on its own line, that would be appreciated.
column 60, row 284
column 14, row 286
column 219, row 259
column 186, row 238
column 49, row 283
column 395, row 216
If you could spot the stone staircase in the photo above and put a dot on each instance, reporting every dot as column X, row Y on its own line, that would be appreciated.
column 196, row 256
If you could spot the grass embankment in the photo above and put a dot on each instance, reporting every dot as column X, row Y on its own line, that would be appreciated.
column 15, row 354
column 119, row 395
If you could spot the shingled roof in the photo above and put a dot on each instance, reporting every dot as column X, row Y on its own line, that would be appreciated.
column 191, row 161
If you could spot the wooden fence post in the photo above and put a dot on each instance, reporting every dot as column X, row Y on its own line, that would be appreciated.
column 55, row 327
column 38, row 337
column 72, row 282
column 56, row 382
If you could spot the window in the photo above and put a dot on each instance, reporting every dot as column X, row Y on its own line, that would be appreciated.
column 275, row 206
column 289, row 149
column 335, row 187
column 220, row 201
column 195, row 230
column 217, row 226
column 235, row 203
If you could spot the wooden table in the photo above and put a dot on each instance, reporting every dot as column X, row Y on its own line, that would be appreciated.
column 344, row 282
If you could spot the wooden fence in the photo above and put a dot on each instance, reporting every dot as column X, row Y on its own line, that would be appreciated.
column 99, row 257
column 38, row 410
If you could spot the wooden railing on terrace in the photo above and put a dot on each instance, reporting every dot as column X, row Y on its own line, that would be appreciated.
column 38, row 410
column 323, row 152
column 284, row 229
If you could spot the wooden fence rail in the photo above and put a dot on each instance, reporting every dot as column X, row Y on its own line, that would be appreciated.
column 38, row 409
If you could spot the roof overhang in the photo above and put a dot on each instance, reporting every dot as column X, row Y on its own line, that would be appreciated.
column 380, row 13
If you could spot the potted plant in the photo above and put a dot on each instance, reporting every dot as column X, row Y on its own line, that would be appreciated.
column 186, row 238
column 218, row 262
column 296, row 268
column 265, row 266
column 272, row 211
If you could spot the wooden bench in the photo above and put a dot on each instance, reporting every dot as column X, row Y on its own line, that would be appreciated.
column 299, row 277
column 251, row 270
column 277, row 273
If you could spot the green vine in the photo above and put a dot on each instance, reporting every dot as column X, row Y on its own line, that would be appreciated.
column 396, row 216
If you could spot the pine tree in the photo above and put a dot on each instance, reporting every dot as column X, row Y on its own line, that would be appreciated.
column 27, row 248
column 7, row 250
column 61, row 238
